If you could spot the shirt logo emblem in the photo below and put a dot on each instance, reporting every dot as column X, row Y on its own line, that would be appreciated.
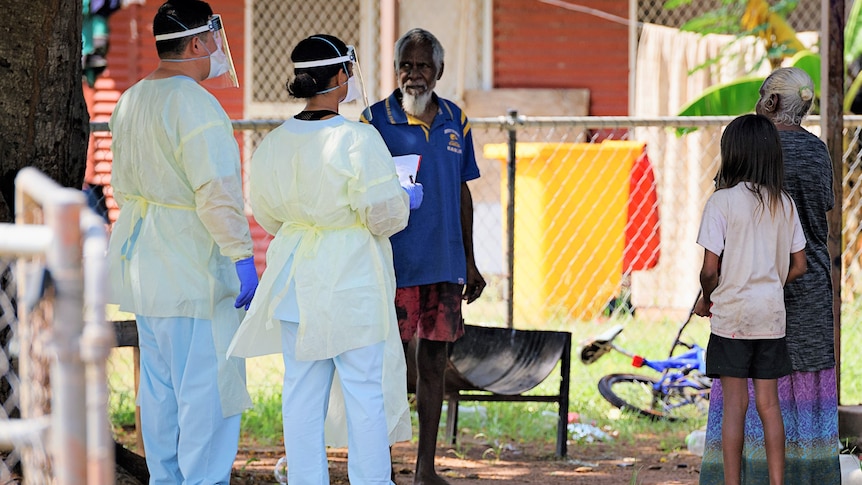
column 454, row 140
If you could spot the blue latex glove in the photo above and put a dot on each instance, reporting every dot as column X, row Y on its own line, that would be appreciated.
column 247, row 281
column 415, row 192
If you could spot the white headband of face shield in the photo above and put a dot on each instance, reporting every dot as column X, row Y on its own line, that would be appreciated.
column 350, row 57
column 354, row 92
column 214, row 25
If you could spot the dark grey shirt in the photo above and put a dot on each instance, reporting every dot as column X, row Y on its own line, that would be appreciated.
column 808, row 179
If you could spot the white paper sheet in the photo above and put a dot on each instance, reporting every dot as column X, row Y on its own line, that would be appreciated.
column 407, row 166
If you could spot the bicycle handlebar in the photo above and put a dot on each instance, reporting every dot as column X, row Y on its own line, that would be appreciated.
column 693, row 359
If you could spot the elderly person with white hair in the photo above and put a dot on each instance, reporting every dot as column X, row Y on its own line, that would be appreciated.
column 809, row 395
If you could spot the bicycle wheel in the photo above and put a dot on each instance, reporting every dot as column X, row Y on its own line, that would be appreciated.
column 637, row 393
column 684, row 402
column 632, row 392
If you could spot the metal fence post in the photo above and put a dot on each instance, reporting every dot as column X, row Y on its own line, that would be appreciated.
column 61, row 213
column 96, row 343
column 512, row 119
column 68, row 417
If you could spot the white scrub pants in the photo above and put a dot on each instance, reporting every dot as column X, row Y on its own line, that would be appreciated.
column 186, row 439
column 305, row 399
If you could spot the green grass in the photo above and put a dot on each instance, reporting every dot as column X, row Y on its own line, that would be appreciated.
column 851, row 358
column 502, row 423
column 262, row 423
column 121, row 407
column 534, row 422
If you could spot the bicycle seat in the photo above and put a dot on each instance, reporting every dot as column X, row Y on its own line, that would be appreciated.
column 600, row 345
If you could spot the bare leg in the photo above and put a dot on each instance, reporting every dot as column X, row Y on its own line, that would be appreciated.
column 431, row 359
column 769, row 410
column 733, row 426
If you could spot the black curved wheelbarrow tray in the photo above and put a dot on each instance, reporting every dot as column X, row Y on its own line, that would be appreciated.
column 501, row 364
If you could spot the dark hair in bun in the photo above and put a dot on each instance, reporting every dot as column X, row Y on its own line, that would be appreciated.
column 307, row 82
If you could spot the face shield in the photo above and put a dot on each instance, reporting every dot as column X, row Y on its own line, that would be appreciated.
column 355, row 84
column 222, row 73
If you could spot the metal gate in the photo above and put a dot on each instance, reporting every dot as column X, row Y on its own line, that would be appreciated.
column 55, row 342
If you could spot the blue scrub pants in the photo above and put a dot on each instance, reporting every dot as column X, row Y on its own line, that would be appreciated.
column 186, row 439
column 305, row 399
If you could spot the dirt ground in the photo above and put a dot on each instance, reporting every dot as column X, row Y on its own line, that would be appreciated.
column 476, row 463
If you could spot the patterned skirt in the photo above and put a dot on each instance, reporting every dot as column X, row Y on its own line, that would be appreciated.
column 809, row 406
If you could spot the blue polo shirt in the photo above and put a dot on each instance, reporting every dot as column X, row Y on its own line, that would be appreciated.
column 430, row 249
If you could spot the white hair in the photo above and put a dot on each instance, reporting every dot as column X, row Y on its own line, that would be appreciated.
column 795, row 91
column 422, row 37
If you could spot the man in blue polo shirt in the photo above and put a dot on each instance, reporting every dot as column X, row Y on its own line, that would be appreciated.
column 434, row 265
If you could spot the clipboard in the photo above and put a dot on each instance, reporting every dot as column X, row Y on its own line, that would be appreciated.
column 406, row 166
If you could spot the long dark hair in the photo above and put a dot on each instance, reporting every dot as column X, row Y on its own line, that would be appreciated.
column 751, row 152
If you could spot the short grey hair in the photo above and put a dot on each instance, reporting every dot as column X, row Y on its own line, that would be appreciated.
column 795, row 91
column 422, row 37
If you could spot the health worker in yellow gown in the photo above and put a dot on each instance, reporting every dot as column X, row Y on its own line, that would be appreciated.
column 327, row 189
column 180, row 255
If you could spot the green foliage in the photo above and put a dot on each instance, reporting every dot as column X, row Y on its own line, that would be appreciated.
column 740, row 96
column 851, row 355
column 733, row 98
column 784, row 7
column 853, row 34
column 810, row 63
column 503, row 423
column 121, row 407
column 263, row 423
column 724, row 20
column 671, row 4
column 515, row 423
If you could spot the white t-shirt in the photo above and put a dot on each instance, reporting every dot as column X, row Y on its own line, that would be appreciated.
column 755, row 247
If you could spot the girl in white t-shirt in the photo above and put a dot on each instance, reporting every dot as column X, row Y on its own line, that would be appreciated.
column 753, row 244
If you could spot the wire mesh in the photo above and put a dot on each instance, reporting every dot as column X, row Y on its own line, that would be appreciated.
column 35, row 333
column 25, row 363
column 279, row 26
column 804, row 17
column 53, row 415
column 605, row 222
column 10, row 383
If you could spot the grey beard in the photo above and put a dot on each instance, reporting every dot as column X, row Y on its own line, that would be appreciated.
column 415, row 105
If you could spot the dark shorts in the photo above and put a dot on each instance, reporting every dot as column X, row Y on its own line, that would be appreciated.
column 431, row 312
column 755, row 359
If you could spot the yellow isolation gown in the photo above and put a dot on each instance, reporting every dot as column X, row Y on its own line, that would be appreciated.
column 327, row 190
column 176, row 177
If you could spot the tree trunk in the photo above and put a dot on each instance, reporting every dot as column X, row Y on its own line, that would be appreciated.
column 44, row 118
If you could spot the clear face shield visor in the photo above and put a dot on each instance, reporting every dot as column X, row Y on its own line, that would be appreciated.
column 355, row 86
column 222, row 72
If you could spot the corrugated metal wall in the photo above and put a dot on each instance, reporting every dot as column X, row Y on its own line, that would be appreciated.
column 132, row 56
column 538, row 45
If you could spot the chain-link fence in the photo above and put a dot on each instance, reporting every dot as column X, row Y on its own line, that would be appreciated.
column 55, row 342
column 279, row 26
column 10, row 383
column 805, row 17
column 606, row 211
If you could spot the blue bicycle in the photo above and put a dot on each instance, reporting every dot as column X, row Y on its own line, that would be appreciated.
column 680, row 390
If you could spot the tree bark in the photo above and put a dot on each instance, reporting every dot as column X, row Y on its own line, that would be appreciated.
column 44, row 120
column 43, row 116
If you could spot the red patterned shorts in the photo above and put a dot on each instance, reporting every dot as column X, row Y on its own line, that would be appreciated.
column 431, row 312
